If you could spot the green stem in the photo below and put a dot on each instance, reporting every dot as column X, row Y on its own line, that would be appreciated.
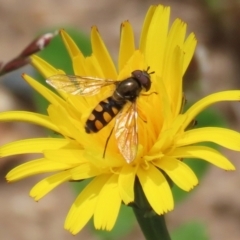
column 152, row 225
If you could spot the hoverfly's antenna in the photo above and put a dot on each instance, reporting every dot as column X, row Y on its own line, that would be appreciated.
column 148, row 70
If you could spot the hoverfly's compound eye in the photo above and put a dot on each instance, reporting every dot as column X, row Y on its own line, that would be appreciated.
column 143, row 78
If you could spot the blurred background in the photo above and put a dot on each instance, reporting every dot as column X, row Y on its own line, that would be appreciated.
column 212, row 210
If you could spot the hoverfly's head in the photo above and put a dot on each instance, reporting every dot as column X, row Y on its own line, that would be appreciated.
column 143, row 77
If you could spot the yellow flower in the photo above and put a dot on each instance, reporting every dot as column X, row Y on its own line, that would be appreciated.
column 163, row 138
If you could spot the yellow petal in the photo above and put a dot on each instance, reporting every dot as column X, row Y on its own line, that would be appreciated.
column 70, row 45
column 199, row 106
column 175, row 40
column 94, row 154
column 205, row 153
column 224, row 137
column 69, row 156
column 100, row 51
column 173, row 64
column 156, row 38
column 84, row 206
column 45, row 92
column 147, row 22
column 189, row 49
column 158, row 148
column 48, row 184
column 172, row 77
column 156, row 189
column 35, row 167
column 84, row 171
column 166, row 138
column 64, row 121
column 176, row 36
column 126, row 183
column 80, row 167
column 164, row 115
column 93, row 67
column 29, row 117
column 148, row 135
column 179, row 172
column 108, row 205
column 136, row 61
column 127, row 45
column 44, row 67
column 75, row 54
column 79, row 105
column 34, row 145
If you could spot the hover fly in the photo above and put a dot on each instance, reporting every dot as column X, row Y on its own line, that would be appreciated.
column 121, row 104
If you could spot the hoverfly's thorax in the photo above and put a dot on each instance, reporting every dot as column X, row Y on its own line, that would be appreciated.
column 128, row 89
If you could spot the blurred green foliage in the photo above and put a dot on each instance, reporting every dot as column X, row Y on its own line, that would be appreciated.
column 190, row 231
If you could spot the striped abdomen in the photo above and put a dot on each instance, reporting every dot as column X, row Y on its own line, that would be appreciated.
column 104, row 112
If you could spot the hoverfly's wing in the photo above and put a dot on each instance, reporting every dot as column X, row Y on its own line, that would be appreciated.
column 77, row 85
column 126, row 132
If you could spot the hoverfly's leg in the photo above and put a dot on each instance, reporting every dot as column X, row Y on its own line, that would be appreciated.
column 141, row 114
column 148, row 94
column 184, row 101
column 105, row 147
column 191, row 125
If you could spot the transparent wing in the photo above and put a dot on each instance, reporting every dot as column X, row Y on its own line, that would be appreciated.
column 126, row 132
column 78, row 85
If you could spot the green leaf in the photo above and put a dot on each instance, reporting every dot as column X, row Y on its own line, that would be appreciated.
column 190, row 231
